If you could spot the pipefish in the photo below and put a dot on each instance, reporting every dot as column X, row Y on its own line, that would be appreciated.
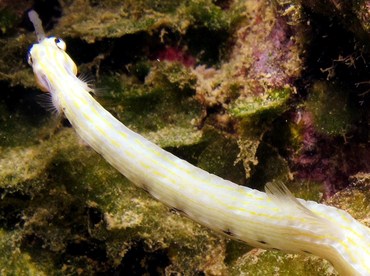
column 275, row 219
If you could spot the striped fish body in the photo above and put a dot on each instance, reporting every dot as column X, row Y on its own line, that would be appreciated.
column 272, row 220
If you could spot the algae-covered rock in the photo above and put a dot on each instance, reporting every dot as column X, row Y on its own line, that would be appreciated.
column 330, row 108
column 16, row 262
column 256, row 263
column 230, row 86
column 355, row 199
column 109, row 19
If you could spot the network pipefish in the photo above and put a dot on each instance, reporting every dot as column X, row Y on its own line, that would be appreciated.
column 275, row 219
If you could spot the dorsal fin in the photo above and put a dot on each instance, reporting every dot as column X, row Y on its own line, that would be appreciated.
column 288, row 203
column 280, row 194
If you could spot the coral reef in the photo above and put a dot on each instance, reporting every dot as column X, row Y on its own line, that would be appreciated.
column 252, row 91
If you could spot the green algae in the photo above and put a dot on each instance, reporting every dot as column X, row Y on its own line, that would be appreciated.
column 14, row 69
column 257, row 261
column 219, row 157
column 169, row 117
column 356, row 198
column 332, row 113
column 268, row 106
column 16, row 261
column 116, row 18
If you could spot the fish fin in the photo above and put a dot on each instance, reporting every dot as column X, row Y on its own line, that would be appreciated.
column 88, row 79
column 280, row 194
column 45, row 100
column 287, row 202
column 89, row 83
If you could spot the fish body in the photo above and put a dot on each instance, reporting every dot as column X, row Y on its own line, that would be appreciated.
column 275, row 219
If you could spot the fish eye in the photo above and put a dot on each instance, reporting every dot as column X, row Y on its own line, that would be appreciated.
column 60, row 43
column 29, row 59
